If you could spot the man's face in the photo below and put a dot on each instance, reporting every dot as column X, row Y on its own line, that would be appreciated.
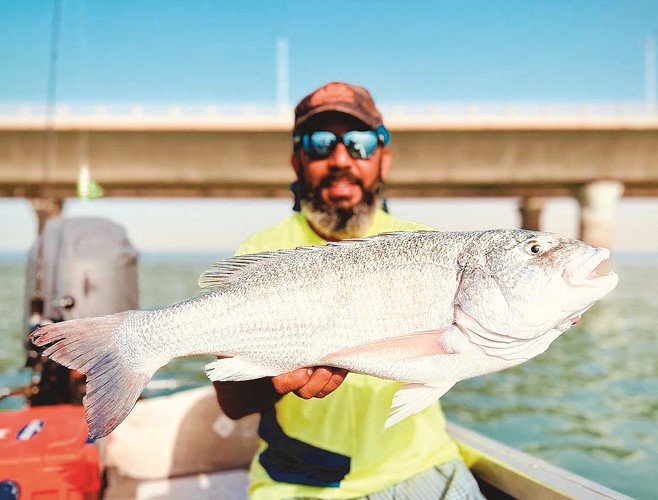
column 340, row 193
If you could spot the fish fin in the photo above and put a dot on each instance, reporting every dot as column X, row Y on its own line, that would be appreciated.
column 229, row 270
column 226, row 271
column 412, row 398
column 89, row 346
column 236, row 369
column 403, row 347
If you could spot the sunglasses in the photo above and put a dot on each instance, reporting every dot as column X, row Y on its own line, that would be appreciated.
column 361, row 144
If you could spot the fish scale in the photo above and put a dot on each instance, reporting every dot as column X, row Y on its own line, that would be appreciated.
column 425, row 308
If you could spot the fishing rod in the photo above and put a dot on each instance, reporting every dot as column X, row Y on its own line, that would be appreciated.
column 51, row 298
column 50, row 146
column 46, row 379
column 48, row 161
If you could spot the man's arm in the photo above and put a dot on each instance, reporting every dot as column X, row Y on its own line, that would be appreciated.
column 238, row 399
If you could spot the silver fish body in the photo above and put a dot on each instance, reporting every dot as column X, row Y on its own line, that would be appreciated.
column 425, row 308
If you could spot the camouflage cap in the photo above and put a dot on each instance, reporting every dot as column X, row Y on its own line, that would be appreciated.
column 342, row 97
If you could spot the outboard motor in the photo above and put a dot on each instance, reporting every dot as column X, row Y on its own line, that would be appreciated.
column 78, row 267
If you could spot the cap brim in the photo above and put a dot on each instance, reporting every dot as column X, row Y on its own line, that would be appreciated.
column 339, row 108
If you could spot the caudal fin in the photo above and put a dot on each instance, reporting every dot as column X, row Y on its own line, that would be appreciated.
column 88, row 345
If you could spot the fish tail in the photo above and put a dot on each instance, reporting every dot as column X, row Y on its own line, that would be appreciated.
column 89, row 345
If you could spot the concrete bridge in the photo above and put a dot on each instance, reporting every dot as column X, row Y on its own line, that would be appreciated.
column 593, row 152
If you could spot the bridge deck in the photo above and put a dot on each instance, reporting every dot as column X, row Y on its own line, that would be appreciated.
column 485, row 150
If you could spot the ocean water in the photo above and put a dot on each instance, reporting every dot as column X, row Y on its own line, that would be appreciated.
column 589, row 404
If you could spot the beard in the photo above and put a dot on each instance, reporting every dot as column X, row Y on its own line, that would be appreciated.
column 337, row 222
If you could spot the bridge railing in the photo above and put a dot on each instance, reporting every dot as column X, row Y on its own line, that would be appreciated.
column 31, row 114
column 524, row 109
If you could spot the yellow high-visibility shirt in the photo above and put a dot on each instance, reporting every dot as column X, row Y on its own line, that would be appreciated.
column 337, row 447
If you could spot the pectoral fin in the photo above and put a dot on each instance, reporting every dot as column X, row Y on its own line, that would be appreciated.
column 403, row 347
column 412, row 398
column 236, row 369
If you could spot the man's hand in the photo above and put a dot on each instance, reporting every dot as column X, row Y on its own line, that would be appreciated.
column 239, row 399
column 310, row 383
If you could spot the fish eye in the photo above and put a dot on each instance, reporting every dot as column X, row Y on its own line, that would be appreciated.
column 534, row 247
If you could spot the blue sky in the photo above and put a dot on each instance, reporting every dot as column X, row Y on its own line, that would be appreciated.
column 217, row 51
column 404, row 51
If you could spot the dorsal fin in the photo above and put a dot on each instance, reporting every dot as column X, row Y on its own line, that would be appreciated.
column 226, row 271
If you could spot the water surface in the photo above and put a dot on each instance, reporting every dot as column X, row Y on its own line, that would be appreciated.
column 589, row 404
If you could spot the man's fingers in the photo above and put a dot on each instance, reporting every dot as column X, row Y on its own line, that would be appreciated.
column 319, row 379
column 336, row 379
column 292, row 381
column 308, row 383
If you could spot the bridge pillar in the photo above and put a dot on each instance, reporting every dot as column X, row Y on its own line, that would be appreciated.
column 597, row 204
column 46, row 208
column 531, row 209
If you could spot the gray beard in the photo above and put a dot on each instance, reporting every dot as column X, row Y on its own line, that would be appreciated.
column 341, row 223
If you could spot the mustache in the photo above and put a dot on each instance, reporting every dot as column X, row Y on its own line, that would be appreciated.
column 332, row 177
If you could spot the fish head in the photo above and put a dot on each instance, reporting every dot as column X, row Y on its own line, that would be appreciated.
column 523, row 284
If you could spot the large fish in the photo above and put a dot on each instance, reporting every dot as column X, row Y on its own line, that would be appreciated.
column 424, row 308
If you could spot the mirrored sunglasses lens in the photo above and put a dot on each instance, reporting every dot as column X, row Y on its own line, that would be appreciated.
column 322, row 142
column 361, row 144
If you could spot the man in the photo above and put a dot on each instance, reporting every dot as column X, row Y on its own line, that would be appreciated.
column 317, row 443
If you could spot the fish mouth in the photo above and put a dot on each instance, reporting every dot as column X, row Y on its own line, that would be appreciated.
column 587, row 270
